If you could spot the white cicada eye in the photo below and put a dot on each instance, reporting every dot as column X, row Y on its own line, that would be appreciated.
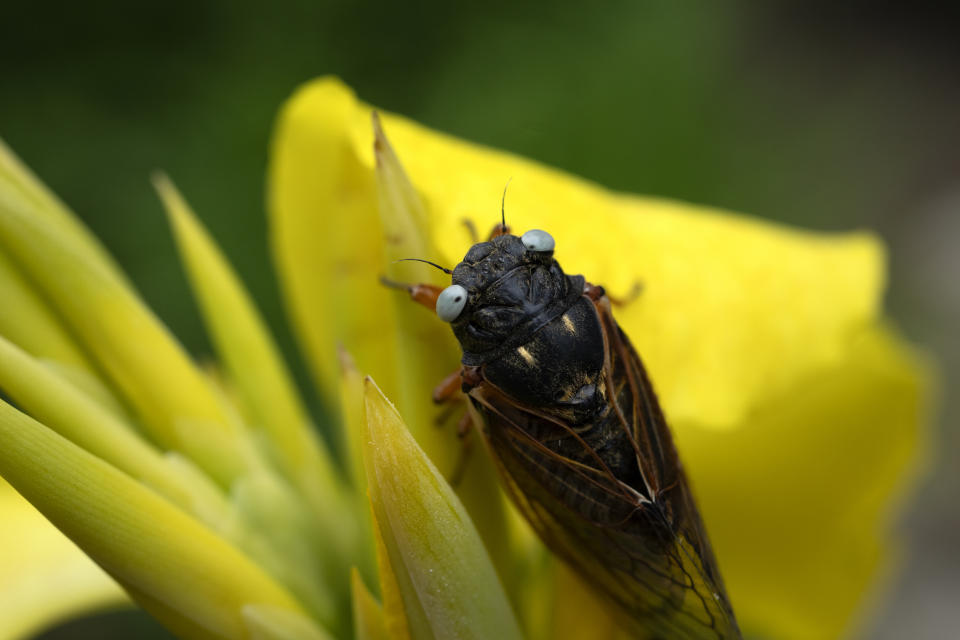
column 537, row 240
column 450, row 302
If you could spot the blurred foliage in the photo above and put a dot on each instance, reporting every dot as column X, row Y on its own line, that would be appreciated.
column 824, row 116
column 118, row 625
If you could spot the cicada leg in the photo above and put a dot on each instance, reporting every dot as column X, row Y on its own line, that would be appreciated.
column 448, row 392
column 445, row 393
column 425, row 294
column 448, row 388
column 498, row 230
column 472, row 230
column 595, row 292
column 464, row 429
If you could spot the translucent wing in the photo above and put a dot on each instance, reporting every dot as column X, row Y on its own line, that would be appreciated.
column 611, row 499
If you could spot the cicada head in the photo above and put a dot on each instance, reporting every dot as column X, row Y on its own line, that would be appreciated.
column 503, row 291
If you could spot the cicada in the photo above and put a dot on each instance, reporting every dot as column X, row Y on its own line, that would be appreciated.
column 574, row 426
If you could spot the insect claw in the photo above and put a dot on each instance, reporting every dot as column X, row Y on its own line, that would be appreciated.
column 633, row 294
column 393, row 284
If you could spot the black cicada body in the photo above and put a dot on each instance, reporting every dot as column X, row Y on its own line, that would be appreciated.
column 576, row 431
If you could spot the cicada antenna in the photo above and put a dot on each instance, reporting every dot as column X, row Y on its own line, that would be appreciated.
column 432, row 264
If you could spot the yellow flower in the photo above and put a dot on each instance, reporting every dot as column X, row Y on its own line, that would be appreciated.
column 208, row 497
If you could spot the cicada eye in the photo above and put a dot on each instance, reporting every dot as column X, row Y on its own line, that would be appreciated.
column 537, row 240
column 450, row 302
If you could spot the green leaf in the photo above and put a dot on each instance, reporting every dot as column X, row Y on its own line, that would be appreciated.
column 252, row 359
column 446, row 580
column 272, row 623
column 141, row 359
column 74, row 415
column 368, row 621
column 182, row 573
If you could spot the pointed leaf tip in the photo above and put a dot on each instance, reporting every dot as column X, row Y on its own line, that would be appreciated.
column 444, row 574
column 368, row 621
column 267, row 391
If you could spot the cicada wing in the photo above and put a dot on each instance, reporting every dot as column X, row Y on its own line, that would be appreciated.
column 656, row 454
column 630, row 528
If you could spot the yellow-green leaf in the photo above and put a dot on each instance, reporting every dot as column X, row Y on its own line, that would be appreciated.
column 272, row 623
column 27, row 320
column 368, row 622
column 185, row 575
column 18, row 184
column 351, row 422
column 394, row 614
column 446, row 580
column 282, row 536
column 243, row 342
column 138, row 354
column 74, row 415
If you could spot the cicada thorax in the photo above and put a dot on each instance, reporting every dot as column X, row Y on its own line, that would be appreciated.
column 573, row 424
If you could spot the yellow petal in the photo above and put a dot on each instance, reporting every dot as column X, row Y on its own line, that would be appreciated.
column 446, row 580
column 368, row 622
column 578, row 613
column 246, row 348
column 796, row 499
column 136, row 351
column 184, row 575
column 323, row 208
column 44, row 578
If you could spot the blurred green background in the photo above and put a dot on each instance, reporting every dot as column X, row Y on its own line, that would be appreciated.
column 817, row 115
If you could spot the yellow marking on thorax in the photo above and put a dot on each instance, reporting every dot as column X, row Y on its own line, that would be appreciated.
column 526, row 355
column 568, row 323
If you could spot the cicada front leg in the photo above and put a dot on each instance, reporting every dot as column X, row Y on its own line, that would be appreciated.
column 425, row 294
column 452, row 389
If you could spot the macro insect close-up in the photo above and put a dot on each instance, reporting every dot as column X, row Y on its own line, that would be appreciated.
column 575, row 429
column 266, row 372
